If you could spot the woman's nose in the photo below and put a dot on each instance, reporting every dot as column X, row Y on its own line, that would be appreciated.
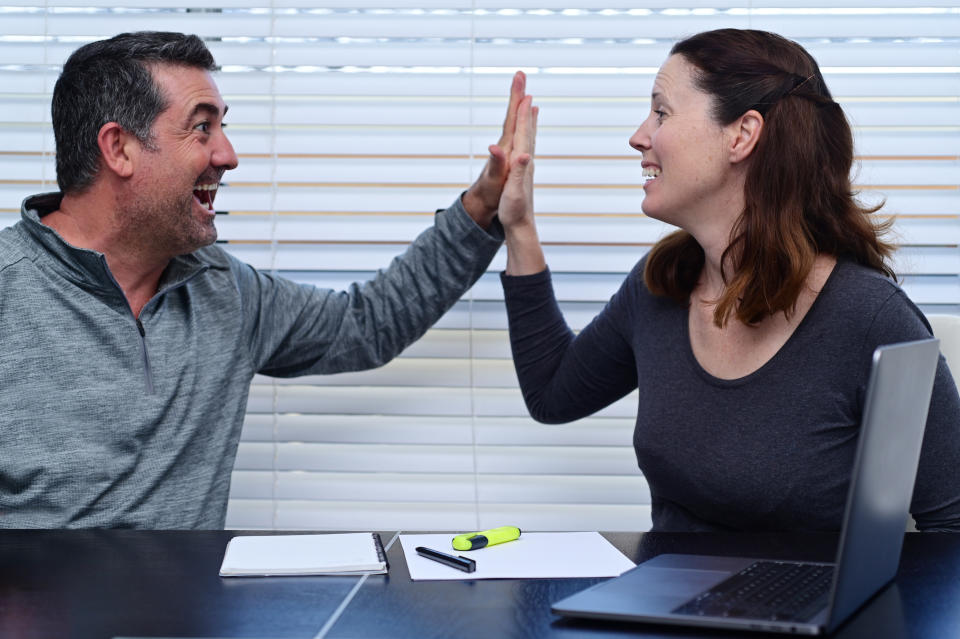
column 640, row 140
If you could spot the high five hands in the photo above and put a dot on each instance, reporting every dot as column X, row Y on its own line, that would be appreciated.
column 505, row 186
column 524, row 255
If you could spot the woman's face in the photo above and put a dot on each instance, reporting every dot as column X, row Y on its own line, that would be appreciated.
column 684, row 167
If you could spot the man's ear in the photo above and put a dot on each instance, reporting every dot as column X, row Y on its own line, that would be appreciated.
column 118, row 149
column 745, row 132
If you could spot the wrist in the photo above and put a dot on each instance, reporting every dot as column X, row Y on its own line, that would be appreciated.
column 524, row 229
column 524, row 253
column 477, row 209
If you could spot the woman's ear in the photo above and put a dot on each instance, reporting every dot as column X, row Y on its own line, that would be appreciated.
column 745, row 132
column 118, row 149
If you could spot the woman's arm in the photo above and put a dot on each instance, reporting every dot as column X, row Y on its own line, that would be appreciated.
column 562, row 376
column 524, row 254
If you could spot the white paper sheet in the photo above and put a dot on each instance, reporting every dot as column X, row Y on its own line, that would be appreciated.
column 534, row 555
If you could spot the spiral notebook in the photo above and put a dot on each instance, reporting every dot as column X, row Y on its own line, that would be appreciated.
column 322, row 554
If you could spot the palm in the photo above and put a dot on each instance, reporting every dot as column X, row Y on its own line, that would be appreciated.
column 516, row 202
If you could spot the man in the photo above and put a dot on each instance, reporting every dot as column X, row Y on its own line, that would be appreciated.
column 129, row 342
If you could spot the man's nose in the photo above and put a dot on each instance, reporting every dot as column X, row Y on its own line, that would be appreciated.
column 225, row 156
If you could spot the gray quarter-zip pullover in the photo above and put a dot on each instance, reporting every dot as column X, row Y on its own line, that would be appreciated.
column 107, row 420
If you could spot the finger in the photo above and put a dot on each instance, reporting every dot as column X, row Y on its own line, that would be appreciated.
column 497, row 152
column 533, row 129
column 517, row 93
column 497, row 162
column 523, row 138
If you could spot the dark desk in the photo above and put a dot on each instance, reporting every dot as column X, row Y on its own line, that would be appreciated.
column 102, row 584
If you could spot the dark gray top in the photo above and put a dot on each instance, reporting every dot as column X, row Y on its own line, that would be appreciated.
column 769, row 451
column 107, row 421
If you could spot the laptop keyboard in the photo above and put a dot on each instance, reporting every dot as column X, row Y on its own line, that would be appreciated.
column 775, row 590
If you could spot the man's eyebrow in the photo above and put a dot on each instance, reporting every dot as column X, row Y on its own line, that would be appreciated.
column 208, row 108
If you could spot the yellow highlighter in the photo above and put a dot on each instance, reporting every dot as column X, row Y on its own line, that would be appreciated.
column 484, row 538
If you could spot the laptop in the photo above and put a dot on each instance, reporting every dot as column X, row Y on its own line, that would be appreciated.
column 740, row 593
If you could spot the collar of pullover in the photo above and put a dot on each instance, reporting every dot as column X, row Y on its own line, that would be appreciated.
column 86, row 267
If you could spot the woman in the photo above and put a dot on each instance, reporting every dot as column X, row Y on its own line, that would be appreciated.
column 749, row 331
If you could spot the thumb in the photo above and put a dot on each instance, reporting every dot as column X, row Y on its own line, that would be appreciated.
column 497, row 162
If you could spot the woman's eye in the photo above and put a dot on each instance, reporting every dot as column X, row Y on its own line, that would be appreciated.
column 660, row 115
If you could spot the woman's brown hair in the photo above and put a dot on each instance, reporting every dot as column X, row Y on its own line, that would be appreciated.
column 799, row 199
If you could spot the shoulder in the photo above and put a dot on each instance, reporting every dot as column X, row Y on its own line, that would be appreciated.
column 849, row 274
column 226, row 271
column 634, row 286
column 221, row 268
column 8, row 240
column 13, row 249
column 218, row 259
column 863, row 289
column 215, row 256
column 865, row 302
column 635, row 305
column 634, row 281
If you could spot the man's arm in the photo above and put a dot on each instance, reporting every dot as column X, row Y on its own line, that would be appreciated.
column 299, row 330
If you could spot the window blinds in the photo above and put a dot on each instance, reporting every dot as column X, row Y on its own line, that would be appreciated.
column 354, row 121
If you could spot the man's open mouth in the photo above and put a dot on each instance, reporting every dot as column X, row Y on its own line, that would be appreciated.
column 206, row 193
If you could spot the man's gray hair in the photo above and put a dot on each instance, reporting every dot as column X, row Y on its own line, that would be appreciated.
column 110, row 81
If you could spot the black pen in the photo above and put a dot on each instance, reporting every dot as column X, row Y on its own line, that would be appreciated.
column 460, row 562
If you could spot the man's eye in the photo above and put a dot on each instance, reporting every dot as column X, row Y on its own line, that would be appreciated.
column 660, row 115
column 204, row 127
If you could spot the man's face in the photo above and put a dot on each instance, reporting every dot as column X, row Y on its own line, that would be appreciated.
column 170, row 209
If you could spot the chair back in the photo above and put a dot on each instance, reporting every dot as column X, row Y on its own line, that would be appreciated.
column 947, row 328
